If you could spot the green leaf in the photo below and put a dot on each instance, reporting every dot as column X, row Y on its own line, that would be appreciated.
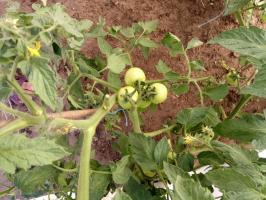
column 120, row 195
column 173, row 43
column 185, row 188
column 161, row 151
column 244, row 195
column 230, row 180
column 186, row 162
column 217, row 93
column 258, row 87
column 146, row 42
column 171, row 76
column 197, row 65
column 46, row 38
column 117, row 63
column 5, row 90
column 22, row 152
column 31, row 181
column 114, row 79
column 128, row 32
column 180, row 89
column 232, row 6
column 137, row 191
column 238, row 156
column 99, row 183
column 120, row 171
column 149, row 26
column 246, row 41
column 191, row 117
column 142, row 149
column 244, row 130
column 194, row 42
column 162, row 67
column 104, row 46
column 209, row 158
column 43, row 79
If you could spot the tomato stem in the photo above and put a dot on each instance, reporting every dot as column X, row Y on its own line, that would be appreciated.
column 243, row 101
column 160, row 131
column 31, row 105
column 135, row 120
column 84, row 172
column 239, row 18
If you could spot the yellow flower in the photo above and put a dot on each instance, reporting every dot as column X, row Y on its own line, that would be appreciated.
column 189, row 139
column 34, row 51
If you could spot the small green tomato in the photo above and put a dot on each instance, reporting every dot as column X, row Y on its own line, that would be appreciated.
column 126, row 95
column 160, row 93
column 133, row 75
column 143, row 104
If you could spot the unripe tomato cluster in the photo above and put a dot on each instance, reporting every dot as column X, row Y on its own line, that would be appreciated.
column 138, row 92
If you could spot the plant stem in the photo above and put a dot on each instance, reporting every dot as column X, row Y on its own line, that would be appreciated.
column 188, row 64
column 158, row 132
column 243, row 101
column 135, row 120
column 31, row 105
column 200, row 93
column 84, row 172
column 13, row 126
column 239, row 18
column 13, row 69
column 104, row 83
column 17, row 113
column 71, row 85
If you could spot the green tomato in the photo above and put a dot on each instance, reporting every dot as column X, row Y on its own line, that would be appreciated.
column 124, row 94
column 143, row 104
column 133, row 75
column 160, row 93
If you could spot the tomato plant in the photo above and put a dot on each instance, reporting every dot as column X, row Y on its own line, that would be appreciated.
column 42, row 49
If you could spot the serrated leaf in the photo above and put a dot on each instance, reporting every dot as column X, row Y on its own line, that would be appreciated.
column 258, row 87
column 232, row 6
column 194, row 42
column 242, row 129
column 230, row 180
column 120, row 171
column 114, row 79
column 171, row 76
column 243, row 195
column 185, row 188
column 149, row 26
column 161, row 151
column 173, row 43
column 143, row 151
column 5, row 90
column 217, row 93
column 162, row 67
column 32, row 181
column 180, row 89
column 104, row 46
column 186, row 162
column 22, row 152
column 137, row 191
column 209, row 158
column 117, row 63
column 43, row 79
column 246, row 41
column 191, row 117
column 197, row 65
column 120, row 195
column 128, row 32
column 146, row 42
column 99, row 183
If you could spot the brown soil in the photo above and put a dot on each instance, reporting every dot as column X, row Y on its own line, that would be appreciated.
column 180, row 17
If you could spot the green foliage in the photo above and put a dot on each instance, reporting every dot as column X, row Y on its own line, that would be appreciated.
column 120, row 171
column 232, row 6
column 22, row 152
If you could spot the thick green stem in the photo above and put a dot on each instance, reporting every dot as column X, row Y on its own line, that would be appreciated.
column 31, row 105
column 239, row 18
column 243, row 101
column 84, row 172
column 188, row 65
column 13, row 126
column 134, row 115
column 158, row 132
column 17, row 113
column 200, row 93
